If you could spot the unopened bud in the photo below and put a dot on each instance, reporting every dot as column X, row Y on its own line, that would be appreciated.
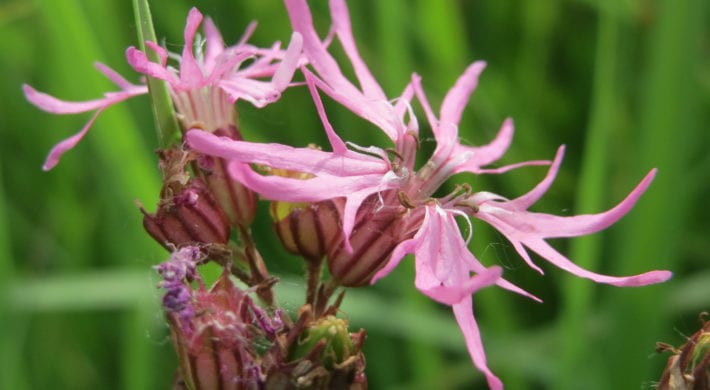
column 215, row 345
column 188, row 217
column 380, row 225
column 307, row 229
column 325, row 355
column 689, row 367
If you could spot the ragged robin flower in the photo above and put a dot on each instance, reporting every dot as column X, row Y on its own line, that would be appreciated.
column 375, row 181
column 209, row 78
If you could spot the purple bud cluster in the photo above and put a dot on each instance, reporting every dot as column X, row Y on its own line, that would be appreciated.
column 177, row 272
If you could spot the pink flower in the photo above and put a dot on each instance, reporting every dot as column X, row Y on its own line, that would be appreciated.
column 444, row 266
column 204, row 88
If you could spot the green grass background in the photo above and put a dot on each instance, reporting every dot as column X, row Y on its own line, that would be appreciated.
column 624, row 84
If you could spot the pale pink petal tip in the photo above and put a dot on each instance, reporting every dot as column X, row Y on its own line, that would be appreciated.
column 645, row 279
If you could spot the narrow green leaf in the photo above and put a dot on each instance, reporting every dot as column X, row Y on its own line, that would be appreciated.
column 164, row 114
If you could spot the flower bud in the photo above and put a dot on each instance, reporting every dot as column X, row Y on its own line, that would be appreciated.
column 381, row 224
column 307, row 229
column 689, row 367
column 237, row 201
column 188, row 217
column 214, row 344
column 325, row 355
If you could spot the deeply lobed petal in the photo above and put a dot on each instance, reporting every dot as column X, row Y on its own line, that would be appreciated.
column 458, row 96
column 525, row 229
column 56, row 106
column 191, row 75
column 370, row 103
column 67, row 144
column 463, row 311
column 304, row 160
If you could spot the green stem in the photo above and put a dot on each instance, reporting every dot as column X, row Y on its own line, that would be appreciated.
column 166, row 123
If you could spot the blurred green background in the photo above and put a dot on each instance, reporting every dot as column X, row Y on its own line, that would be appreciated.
column 624, row 84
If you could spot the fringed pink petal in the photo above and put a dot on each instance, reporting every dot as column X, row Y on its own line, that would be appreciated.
column 295, row 190
column 55, row 106
column 458, row 96
column 525, row 201
column 190, row 72
column 159, row 51
column 377, row 110
column 289, row 63
column 486, row 154
column 112, row 75
column 451, row 295
column 259, row 93
column 324, row 64
column 510, row 167
column 553, row 256
column 247, row 33
column 141, row 64
column 549, row 226
column 343, row 28
column 214, row 44
column 419, row 92
column 335, row 141
column 62, row 147
column 286, row 157
column 463, row 312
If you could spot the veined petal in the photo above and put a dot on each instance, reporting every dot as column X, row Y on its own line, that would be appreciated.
column 378, row 112
column 554, row 257
column 451, row 295
column 421, row 96
column 141, row 64
column 372, row 104
column 463, row 312
column 552, row 226
column 459, row 95
column 325, row 65
column 297, row 190
column 190, row 72
column 56, row 106
column 335, row 141
column 62, row 147
column 525, row 229
column 510, row 167
column 214, row 43
column 112, row 75
column 286, row 157
column 259, row 93
column 448, row 254
column 289, row 63
column 343, row 28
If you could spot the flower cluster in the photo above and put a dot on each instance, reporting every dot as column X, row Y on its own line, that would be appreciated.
column 359, row 208
column 377, row 181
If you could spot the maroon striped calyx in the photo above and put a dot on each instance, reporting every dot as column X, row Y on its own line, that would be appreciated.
column 187, row 213
column 306, row 229
column 382, row 222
